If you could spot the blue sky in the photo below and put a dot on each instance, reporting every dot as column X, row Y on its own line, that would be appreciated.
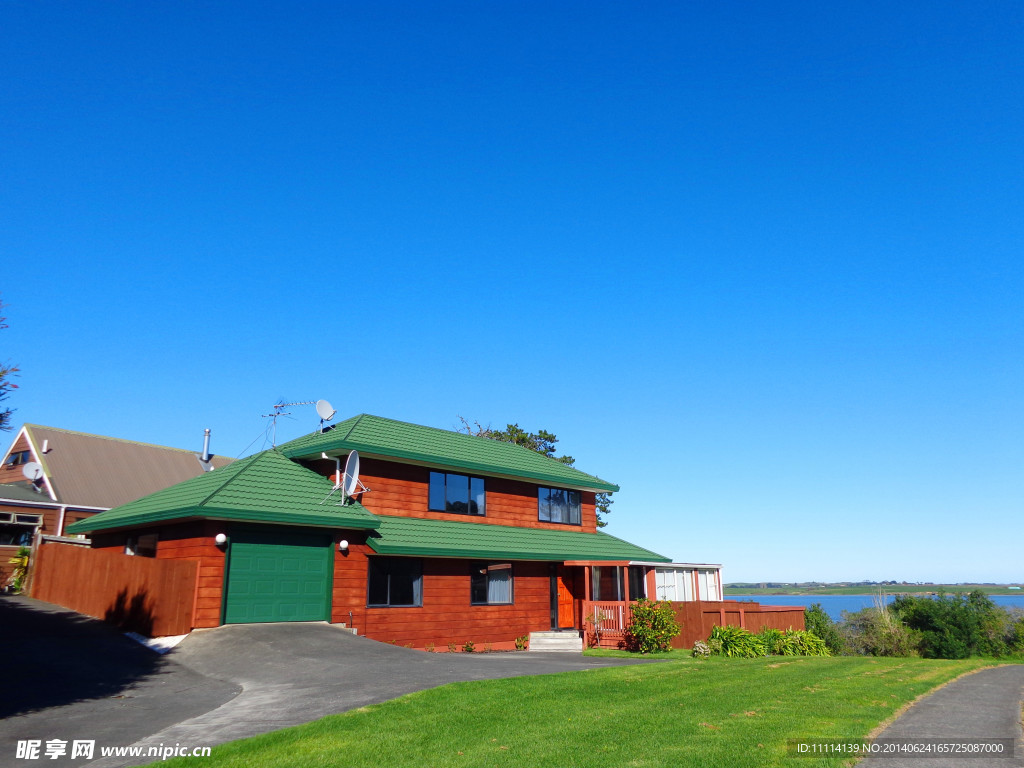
column 758, row 264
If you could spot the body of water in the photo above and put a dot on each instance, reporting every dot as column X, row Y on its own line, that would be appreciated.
column 834, row 605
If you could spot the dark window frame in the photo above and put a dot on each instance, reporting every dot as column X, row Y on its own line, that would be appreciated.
column 475, row 486
column 475, row 569
column 376, row 564
column 18, row 458
column 544, row 500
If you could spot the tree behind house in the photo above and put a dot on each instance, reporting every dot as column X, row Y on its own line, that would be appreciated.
column 6, row 385
column 543, row 442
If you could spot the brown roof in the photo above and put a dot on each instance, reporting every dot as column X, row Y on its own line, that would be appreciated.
column 96, row 471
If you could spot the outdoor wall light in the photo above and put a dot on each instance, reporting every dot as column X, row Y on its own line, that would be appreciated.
column 221, row 539
column 343, row 545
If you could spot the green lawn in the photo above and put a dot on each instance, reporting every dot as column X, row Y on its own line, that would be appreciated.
column 719, row 712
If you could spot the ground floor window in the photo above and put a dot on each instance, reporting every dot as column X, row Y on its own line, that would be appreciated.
column 637, row 582
column 490, row 583
column 395, row 581
column 606, row 583
column 17, row 530
column 141, row 546
column 674, row 584
column 707, row 585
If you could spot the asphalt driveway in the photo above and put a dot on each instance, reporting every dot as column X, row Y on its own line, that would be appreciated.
column 77, row 678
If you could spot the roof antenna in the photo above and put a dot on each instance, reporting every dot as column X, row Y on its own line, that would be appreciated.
column 323, row 409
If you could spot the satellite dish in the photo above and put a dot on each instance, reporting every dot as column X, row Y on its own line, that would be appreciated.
column 350, row 480
column 324, row 410
column 34, row 471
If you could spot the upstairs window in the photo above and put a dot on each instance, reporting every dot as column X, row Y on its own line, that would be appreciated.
column 490, row 583
column 558, row 505
column 458, row 494
column 19, row 458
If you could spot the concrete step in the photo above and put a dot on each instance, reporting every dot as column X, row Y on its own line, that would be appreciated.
column 570, row 642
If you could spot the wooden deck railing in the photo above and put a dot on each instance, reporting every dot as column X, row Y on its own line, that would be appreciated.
column 606, row 622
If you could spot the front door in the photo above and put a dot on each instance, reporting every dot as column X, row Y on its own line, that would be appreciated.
column 562, row 604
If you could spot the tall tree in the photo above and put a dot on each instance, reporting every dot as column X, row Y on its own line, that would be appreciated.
column 7, row 371
column 543, row 442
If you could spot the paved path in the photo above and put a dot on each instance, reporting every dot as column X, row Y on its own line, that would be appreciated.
column 83, row 680
column 983, row 705
column 66, row 676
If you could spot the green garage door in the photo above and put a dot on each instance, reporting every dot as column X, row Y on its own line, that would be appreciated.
column 278, row 576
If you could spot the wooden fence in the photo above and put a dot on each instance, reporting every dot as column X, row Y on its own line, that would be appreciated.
column 141, row 594
column 696, row 618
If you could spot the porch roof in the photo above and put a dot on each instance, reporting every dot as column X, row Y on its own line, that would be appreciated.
column 443, row 538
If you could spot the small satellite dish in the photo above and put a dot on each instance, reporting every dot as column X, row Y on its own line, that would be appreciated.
column 350, row 480
column 324, row 410
column 34, row 471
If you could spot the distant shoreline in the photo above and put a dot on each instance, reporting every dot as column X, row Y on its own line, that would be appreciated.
column 869, row 589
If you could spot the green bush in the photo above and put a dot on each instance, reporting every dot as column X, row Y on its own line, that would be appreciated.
column 651, row 627
column 877, row 631
column 737, row 642
column 741, row 643
column 957, row 626
column 821, row 624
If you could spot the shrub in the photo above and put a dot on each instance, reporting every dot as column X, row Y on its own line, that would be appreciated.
column 429, row 647
column 877, row 631
column 522, row 642
column 20, row 563
column 741, row 643
column 651, row 627
column 468, row 647
column 957, row 626
column 803, row 642
column 701, row 650
column 821, row 624
column 451, row 648
column 773, row 641
column 736, row 642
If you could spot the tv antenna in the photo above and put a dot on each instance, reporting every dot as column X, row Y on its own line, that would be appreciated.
column 323, row 409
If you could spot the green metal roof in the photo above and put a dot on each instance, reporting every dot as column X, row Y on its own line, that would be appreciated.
column 440, row 447
column 442, row 538
column 265, row 488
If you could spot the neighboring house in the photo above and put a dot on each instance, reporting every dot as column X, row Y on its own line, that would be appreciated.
column 80, row 475
column 455, row 538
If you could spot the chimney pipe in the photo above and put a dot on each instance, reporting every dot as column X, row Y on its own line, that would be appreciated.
column 206, row 444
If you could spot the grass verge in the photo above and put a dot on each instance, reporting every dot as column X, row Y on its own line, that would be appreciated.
column 687, row 713
column 676, row 654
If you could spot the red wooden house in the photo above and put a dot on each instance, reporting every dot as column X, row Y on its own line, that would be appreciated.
column 451, row 538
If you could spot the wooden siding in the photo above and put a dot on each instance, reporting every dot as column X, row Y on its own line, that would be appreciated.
column 191, row 541
column 13, row 474
column 446, row 615
column 403, row 490
column 135, row 593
